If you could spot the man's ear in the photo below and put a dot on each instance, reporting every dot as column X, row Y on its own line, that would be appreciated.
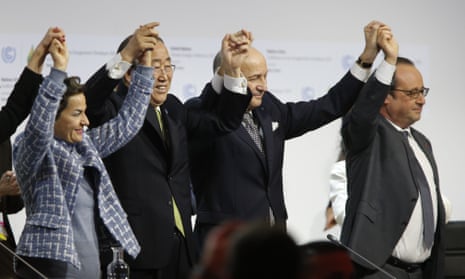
column 389, row 99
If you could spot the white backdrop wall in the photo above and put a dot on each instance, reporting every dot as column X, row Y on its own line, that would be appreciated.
column 430, row 32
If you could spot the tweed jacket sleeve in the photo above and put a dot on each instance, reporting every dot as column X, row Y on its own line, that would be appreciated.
column 38, row 134
column 116, row 132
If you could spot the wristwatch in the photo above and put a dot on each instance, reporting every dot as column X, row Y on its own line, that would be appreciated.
column 362, row 64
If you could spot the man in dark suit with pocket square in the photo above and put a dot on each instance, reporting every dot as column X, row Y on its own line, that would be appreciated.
column 238, row 176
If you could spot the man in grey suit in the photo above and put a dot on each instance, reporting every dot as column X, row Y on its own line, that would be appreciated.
column 394, row 214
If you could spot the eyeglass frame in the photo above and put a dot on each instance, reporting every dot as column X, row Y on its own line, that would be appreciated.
column 413, row 93
column 167, row 69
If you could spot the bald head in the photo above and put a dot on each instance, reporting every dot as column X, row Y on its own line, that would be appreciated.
column 254, row 56
column 254, row 59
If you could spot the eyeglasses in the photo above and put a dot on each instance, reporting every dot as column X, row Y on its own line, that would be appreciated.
column 168, row 69
column 414, row 93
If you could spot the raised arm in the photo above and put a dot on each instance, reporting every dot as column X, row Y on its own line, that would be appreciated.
column 20, row 101
column 115, row 133
column 234, row 51
column 360, row 124
column 31, row 146
column 213, row 113
column 101, row 84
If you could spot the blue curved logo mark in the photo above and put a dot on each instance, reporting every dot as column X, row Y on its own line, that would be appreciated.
column 347, row 61
column 308, row 93
column 189, row 91
column 8, row 54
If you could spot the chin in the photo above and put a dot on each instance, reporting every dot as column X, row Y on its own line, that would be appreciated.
column 256, row 104
column 159, row 100
column 76, row 140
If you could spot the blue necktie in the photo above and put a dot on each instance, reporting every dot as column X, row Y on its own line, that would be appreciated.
column 425, row 194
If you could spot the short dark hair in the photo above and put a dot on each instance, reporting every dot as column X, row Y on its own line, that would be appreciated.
column 125, row 42
column 73, row 87
column 261, row 251
column 400, row 60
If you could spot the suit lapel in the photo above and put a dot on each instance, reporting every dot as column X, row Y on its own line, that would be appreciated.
column 426, row 148
column 153, row 133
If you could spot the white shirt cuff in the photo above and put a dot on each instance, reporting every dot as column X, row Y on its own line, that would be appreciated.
column 360, row 73
column 217, row 82
column 385, row 72
column 116, row 67
column 236, row 85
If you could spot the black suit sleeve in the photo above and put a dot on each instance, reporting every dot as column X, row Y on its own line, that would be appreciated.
column 99, row 88
column 213, row 114
column 360, row 124
column 19, row 103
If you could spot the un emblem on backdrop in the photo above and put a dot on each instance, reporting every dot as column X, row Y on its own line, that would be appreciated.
column 308, row 93
column 8, row 54
column 347, row 61
column 189, row 91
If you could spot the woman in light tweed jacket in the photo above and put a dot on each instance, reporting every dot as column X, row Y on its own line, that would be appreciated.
column 65, row 186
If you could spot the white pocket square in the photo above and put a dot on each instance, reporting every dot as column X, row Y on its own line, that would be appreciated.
column 274, row 125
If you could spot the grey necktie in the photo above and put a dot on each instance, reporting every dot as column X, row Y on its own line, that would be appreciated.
column 425, row 194
column 252, row 128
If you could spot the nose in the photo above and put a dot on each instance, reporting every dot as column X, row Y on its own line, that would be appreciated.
column 84, row 120
column 162, row 76
column 262, row 85
column 160, row 72
column 421, row 99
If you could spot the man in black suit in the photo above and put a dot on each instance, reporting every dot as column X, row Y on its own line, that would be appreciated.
column 239, row 175
column 16, row 109
column 151, row 173
column 394, row 214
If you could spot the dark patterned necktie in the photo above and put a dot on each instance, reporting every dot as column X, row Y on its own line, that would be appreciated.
column 252, row 128
column 425, row 194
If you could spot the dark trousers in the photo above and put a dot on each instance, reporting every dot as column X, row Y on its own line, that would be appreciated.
column 6, row 263
column 179, row 266
column 52, row 269
column 397, row 272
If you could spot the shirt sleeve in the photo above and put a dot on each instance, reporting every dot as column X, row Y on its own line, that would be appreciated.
column 217, row 82
column 338, row 190
column 117, row 67
column 360, row 73
column 385, row 73
column 236, row 85
column 447, row 207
